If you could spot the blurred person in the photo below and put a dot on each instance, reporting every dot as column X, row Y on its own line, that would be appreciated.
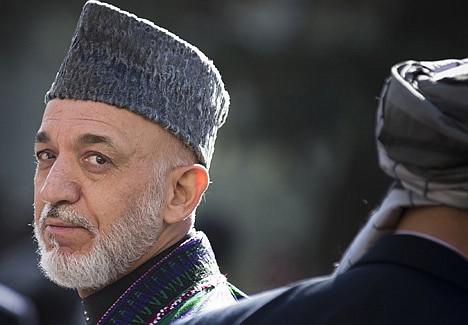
column 18, row 271
column 123, row 154
column 16, row 309
column 408, row 265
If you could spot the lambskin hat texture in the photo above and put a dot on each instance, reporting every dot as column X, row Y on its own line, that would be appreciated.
column 128, row 62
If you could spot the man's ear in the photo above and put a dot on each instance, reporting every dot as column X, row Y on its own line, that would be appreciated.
column 186, row 187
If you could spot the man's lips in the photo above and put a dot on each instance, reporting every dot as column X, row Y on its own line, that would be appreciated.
column 57, row 225
column 67, row 236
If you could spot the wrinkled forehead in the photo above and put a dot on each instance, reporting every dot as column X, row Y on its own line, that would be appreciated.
column 71, row 118
column 89, row 111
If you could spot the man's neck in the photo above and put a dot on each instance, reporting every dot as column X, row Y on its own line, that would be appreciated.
column 449, row 225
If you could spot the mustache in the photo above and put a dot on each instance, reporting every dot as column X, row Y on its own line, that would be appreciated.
column 66, row 213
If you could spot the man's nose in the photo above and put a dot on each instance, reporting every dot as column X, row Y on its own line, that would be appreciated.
column 61, row 184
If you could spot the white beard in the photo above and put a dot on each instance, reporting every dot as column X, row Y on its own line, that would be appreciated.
column 111, row 255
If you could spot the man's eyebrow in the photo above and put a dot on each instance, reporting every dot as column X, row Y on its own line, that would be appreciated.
column 89, row 138
column 42, row 137
column 84, row 139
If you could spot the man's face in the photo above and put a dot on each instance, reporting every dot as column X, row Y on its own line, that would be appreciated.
column 98, row 191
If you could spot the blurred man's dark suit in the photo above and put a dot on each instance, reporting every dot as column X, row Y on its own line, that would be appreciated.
column 403, row 279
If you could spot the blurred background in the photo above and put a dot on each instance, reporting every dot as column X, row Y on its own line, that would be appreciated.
column 294, row 175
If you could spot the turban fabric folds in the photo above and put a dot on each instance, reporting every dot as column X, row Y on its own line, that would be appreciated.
column 422, row 143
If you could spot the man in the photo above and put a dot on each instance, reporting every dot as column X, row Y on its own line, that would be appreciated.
column 409, row 263
column 123, row 153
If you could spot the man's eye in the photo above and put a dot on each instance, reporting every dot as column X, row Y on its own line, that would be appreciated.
column 96, row 159
column 44, row 156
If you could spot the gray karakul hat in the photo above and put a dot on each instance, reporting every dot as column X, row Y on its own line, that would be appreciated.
column 128, row 62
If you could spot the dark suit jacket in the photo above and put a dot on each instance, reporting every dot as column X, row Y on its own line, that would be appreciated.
column 403, row 279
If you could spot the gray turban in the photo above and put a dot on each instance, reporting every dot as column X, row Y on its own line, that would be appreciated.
column 122, row 60
column 422, row 142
